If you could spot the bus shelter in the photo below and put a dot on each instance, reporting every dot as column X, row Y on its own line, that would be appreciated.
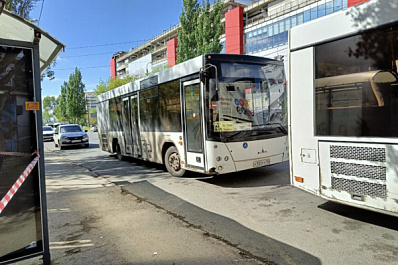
column 26, row 51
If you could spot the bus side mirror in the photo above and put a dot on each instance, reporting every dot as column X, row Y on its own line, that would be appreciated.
column 202, row 75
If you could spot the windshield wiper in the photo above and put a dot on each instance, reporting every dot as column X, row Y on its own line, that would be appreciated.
column 283, row 129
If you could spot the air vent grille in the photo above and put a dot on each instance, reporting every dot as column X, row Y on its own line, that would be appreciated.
column 358, row 153
column 359, row 188
column 358, row 170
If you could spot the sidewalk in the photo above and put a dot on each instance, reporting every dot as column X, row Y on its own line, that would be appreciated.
column 93, row 221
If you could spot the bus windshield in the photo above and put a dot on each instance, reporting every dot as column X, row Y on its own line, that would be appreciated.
column 248, row 103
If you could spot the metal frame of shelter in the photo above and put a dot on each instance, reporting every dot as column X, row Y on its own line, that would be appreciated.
column 19, row 34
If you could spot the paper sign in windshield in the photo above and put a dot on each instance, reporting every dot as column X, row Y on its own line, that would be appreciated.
column 224, row 126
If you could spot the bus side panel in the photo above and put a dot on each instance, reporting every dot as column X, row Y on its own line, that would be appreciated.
column 303, row 148
column 361, row 174
column 152, row 145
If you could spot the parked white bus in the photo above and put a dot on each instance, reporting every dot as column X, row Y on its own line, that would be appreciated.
column 213, row 114
column 343, row 106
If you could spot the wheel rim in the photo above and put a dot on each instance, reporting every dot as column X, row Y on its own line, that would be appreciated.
column 174, row 161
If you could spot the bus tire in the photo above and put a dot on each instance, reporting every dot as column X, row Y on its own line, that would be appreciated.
column 119, row 155
column 172, row 162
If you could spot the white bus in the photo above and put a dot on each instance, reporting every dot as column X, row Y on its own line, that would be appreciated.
column 213, row 114
column 343, row 106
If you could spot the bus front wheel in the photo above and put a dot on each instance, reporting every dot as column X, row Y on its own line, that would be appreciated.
column 173, row 163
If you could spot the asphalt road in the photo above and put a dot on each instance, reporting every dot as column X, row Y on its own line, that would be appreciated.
column 256, row 212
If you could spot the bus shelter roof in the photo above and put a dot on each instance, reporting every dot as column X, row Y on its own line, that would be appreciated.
column 16, row 28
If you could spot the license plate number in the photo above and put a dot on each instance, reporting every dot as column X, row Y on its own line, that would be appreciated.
column 76, row 141
column 261, row 163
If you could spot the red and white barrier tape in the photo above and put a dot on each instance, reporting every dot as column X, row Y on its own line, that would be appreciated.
column 7, row 198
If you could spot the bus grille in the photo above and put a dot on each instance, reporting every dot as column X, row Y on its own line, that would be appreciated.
column 358, row 153
column 360, row 188
column 358, row 170
column 367, row 176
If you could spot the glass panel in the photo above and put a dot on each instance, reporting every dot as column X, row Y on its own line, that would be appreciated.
column 300, row 18
column 287, row 24
column 357, row 85
column 337, row 5
column 307, row 15
column 115, row 114
column 250, row 102
column 294, row 21
column 276, row 28
column 170, row 109
column 314, row 13
column 329, row 8
column 282, row 26
column 149, row 110
column 193, row 118
column 321, row 10
column 20, row 221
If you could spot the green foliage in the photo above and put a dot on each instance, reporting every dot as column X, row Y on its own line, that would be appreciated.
column 20, row 7
column 113, row 82
column 75, row 97
column 71, row 104
column 60, row 109
column 200, row 29
column 49, row 105
column 157, row 69
column 186, row 34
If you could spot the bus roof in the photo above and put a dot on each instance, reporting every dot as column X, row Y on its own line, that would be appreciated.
column 343, row 23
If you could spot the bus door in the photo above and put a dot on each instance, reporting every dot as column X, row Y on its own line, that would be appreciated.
column 135, row 130
column 127, row 125
column 193, row 133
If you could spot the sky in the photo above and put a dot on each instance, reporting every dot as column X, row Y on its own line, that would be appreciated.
column 94, row 30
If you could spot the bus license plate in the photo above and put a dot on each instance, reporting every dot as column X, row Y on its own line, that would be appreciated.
column 261, row 163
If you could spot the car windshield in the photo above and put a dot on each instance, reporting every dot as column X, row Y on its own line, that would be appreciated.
column 47, row 128
column 67, row 129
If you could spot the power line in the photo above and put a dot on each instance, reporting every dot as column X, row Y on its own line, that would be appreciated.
column 108, row 44
column 41, row 10
column 89, row 67
column 90, row 54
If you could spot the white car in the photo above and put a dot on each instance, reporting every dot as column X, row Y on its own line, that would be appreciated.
column 48, row 133
column 70, row 135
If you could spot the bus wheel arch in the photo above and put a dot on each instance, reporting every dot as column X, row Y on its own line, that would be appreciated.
column 172, row 161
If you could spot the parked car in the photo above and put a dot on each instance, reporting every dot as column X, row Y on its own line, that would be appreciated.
column 70, row 135
column 94, row 128
column 48, row 133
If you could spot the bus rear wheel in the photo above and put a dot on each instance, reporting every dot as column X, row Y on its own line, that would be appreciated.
column 173, row 163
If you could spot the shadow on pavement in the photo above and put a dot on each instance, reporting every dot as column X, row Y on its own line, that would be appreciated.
column 370, row 217
column 249, row 242
column 276, row 175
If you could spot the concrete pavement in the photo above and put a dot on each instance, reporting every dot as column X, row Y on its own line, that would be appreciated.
column 94, row 221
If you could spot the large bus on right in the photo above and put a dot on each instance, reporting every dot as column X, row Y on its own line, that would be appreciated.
column 343, row 106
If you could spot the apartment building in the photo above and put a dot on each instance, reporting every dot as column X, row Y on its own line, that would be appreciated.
column 257, row 27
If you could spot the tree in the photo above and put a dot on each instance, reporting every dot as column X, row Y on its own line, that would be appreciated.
column 75, row 97
column 200, row 29
column 49, row 104
column 186, row 34
column 60, row 109
column 20, row 7
column 113, row 82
